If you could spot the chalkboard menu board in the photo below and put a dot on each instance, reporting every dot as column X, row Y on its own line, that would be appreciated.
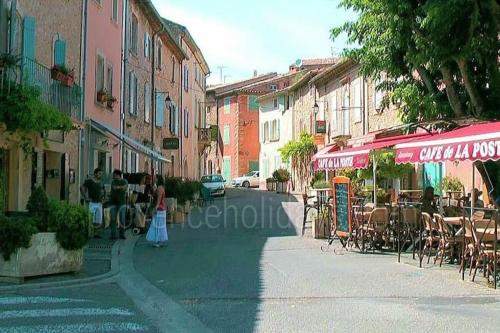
column 342, row 206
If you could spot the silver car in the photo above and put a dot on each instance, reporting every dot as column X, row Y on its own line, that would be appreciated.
column 251, row 179
column 215, row 184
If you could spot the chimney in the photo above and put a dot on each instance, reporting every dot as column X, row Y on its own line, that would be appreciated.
column 255, row 73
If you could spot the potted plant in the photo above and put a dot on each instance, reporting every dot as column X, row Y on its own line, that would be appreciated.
column 110, row 101
column 271, row 184
column 102, row 95
column 62, row 74
column 49, row 240
column 453, row 185
column 282, row 176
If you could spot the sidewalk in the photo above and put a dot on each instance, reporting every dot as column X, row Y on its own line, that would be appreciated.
column 97, row 264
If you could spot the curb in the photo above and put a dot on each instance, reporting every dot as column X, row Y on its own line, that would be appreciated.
column 115, row 269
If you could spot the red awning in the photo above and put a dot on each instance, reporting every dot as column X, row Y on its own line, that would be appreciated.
column 359, row 157
column 480, row 142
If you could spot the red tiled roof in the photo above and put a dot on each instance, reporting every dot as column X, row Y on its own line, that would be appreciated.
column 319, row 61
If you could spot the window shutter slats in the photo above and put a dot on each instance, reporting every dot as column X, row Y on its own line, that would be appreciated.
column 13, row 27
column 60, row 52
column 29, row 37
column 160, row 105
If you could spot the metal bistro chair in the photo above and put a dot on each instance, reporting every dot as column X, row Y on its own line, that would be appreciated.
column 411, row 226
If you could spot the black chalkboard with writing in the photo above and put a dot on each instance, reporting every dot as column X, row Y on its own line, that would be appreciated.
column 342, row 207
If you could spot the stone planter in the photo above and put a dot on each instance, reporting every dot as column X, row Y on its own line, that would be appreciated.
column 44, row 257
column 281, row 187
column 271, row 186
column 171, row 204
column 320, row 228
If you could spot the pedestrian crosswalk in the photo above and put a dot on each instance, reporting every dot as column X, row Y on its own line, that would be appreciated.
column 42, row 314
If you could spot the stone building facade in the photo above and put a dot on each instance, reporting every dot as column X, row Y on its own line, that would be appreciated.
column 39, row 34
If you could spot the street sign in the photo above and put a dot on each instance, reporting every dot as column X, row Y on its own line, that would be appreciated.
column 171, row 143
column 320, row 126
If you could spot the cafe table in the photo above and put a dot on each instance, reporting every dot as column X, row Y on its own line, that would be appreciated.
column 453, row 220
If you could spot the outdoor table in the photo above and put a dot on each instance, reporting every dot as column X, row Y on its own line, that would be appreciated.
column 487, row 234
column 453, row 220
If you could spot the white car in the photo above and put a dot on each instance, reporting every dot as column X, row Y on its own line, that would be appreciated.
column 214, row 183
column 251, row 179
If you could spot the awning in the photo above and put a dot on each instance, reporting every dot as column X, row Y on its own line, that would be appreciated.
column 359, row 157
column 135, row 145
column 479, row 142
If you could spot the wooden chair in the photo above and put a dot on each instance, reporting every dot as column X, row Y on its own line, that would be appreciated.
column 377, row 227
column 448, row 241
column 410, row 225
column 307, row 208
column 431, row 235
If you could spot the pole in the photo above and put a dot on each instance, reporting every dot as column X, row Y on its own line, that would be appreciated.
column 374, row 182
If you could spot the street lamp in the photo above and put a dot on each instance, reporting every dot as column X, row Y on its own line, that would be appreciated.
column 168, row 100
column 316, row 107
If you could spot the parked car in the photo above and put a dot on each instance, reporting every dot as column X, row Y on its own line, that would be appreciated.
column 251, row 179
column 215, row 184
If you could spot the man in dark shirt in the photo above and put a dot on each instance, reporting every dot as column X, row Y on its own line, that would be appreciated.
column 118, row 201
column 92, row 192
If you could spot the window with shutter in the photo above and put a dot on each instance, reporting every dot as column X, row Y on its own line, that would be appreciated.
column 345, row 109
column 136, row 94
column 13, row 27
column 114, row 10
column 158, row 52
column 357, row 102
column 160, row 106
column 147, row 102
column 109, row 79
column 226, row 138
column 186, row 123
column 173, row 69
column 227, row 105
column 99, row 74
column 131, row 92
column 60, row 52
column 253, row 105
column 146, row 45
column 133, row 34
column 29, row 37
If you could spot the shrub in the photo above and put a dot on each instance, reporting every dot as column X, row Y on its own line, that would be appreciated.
column 322, row 184
column 452, row 184
column 172, row 185
column 72, row 224
column 15, row 232
column 281, row 175
column 270, row 180
column 38, row 207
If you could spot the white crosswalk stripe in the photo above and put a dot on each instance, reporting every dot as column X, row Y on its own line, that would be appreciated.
column 42, row 314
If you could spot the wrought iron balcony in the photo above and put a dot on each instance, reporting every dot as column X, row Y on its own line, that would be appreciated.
column 204, row 137
column 53, row 92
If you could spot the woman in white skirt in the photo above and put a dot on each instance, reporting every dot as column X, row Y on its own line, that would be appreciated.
column 157, row 232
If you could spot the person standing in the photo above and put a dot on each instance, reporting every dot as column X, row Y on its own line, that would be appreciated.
column 118, row 201
column 157, row 232
column 92, row 191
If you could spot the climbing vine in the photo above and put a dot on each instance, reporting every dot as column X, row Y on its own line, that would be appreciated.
column 300, row 154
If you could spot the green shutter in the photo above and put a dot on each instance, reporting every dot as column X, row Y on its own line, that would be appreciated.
column 60, row 52
column 253, row 166
column 252, row 103
column 160, row 105
column 226, row 169
column 13, row 27
column 227, row 105
column 226, row 134
column 281, row 100
column 29, row 37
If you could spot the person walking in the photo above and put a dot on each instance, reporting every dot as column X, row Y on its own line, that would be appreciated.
column 92, row 191
column 157, row 232
column 118, row 201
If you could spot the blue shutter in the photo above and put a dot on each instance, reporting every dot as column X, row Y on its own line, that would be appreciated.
column 13, row 27
column 146, row 45
column 60, row 52
column 29, row 37
column 160, row 106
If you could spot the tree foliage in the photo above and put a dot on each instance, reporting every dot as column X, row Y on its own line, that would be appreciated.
column 300, row 154
column 439, row 57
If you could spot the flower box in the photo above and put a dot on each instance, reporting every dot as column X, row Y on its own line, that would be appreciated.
column 44, row 257
column 102, row 96
column 110, row 101
column 58, row 74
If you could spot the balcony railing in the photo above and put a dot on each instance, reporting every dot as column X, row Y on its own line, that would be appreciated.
column 29, row 72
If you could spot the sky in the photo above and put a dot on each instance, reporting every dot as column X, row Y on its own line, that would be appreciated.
column 263, row 35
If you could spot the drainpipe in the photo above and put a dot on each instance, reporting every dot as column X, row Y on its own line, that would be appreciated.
column 365, row 113
column 124, row 78
column 181, row 115
column 83, row 65
column 153, row 88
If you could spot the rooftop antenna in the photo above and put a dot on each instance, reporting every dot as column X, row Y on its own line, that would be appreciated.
column 221, row 68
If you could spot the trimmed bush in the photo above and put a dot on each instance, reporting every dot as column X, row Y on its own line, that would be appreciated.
column 15, row 233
